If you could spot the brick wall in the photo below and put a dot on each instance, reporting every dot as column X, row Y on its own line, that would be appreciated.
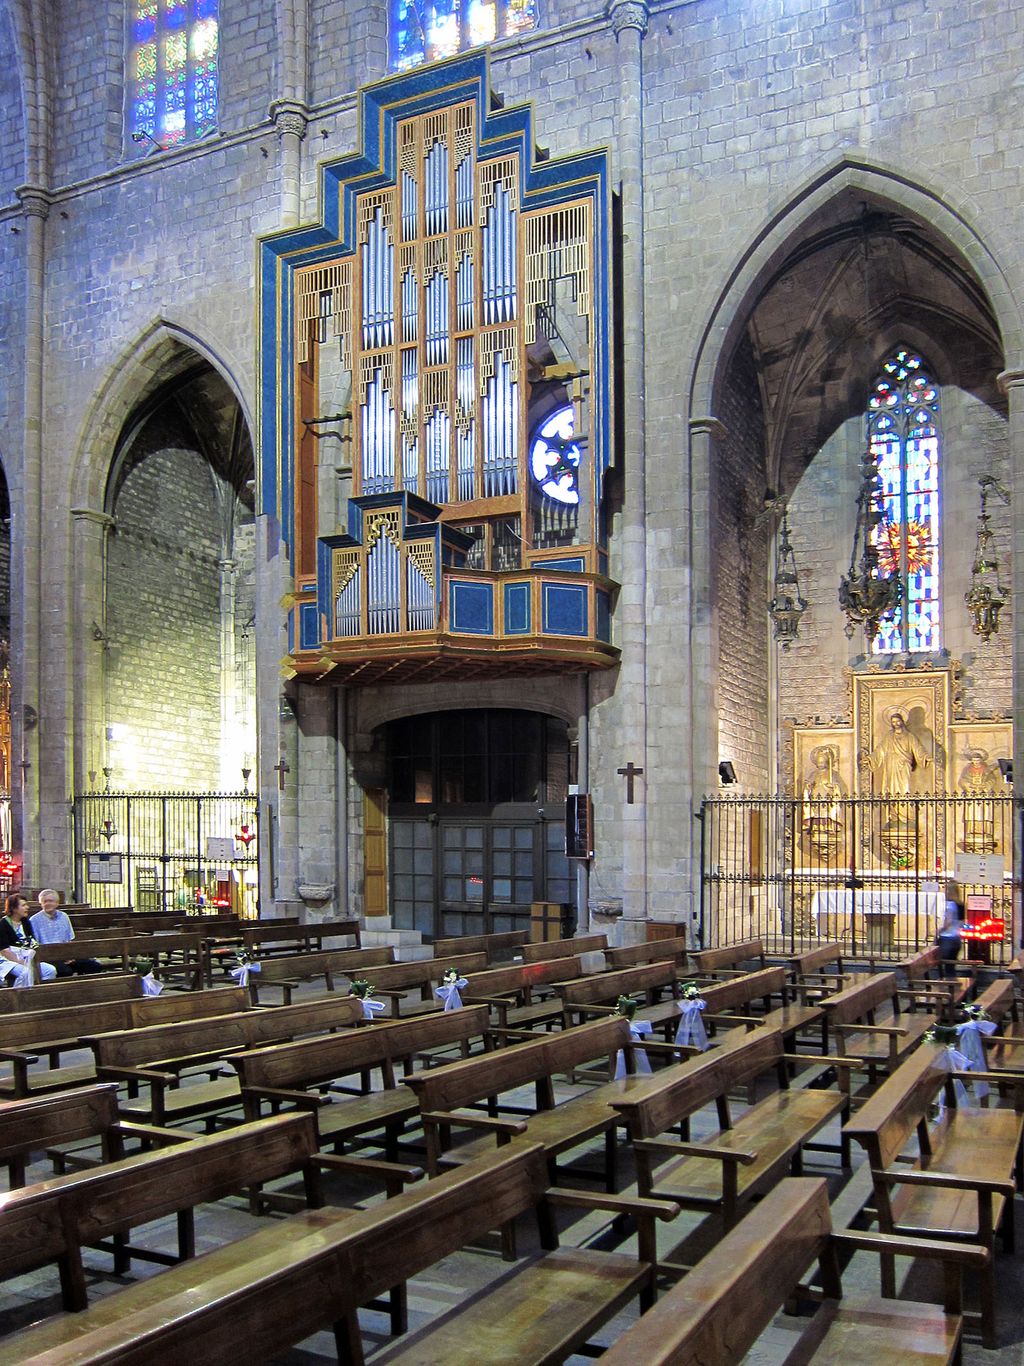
column 740, row 569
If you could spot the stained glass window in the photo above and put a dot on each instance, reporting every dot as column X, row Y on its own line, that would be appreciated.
column 427, row 30
column 903, row 429
column 172, row 71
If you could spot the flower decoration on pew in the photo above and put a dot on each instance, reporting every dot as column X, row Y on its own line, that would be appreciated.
column 451, row 989
column 950, row 1059
column 975, row 1024
column 975, row 1012
column 626, row 1006
column 247, row 965
column 944, row 1034
column 691, row 1032
column 362, row 990
column 144, row 967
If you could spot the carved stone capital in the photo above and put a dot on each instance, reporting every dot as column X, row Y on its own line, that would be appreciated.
column 35, row 201
column 290, row 116
column 626, row 14
column 1010, row 379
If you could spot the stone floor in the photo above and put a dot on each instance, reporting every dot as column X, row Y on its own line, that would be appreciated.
column 28, row 1298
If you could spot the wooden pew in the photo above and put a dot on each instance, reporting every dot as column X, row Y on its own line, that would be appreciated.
column 564, row 948
column 747, row 1156
column 822, row 970
column 172, row 954
column 288, row 972
column 396, row 982
column 155, row 1056
column 598, row 993
column 732, row 1002
column 70, row 1117
column 291, row 1073
column 559, row 1127
column 962, row 1185
column 653, row 951
column 51, row 1221
column 71, row 991
column 717, row 1313
column 273, row 938
column 746, row 956
column 923, row 973
column 497, row 947
column 318, row 1268
column 511, row 992
column 867, row 1021
column 25, row 1035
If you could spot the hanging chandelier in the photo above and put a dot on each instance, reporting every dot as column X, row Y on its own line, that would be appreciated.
column 986, row 596
column 867, row 593
column 787, row 606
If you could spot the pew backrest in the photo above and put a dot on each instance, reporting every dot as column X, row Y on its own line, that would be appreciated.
column 741, row 991
column 564, row 948
column 654, row 951
column 62, row 1118
column 91, row 990
column 495, row 946
column 858, row 1002
column 609, row 986
column 885, row 1122
column 730, row 956
column 423, row 972
column 522, row 977
column 320, row 962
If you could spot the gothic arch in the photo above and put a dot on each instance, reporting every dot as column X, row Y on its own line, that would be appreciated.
column 550, row 696
column 163, row 352
column 885, row 186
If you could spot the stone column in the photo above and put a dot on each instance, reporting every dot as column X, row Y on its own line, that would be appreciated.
column 702, row 677
column 27, row 551
column 90, row 533
column 290, row 119
column 318, row 867
column 231, row 757
column 1012, row 384
column 629, row 24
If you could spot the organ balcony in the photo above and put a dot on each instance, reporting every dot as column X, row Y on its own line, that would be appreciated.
column 398, row 598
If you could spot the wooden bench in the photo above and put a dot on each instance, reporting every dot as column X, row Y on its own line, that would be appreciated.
column 318, row 1268
column 747, row 1156
column 274, row 938
column 71, row 991
column 25, row 1035
column 306, row 1074
column 653, row 951
column 960, row 1182
column 564, row 948
column 718, row 1312
column 445, row 1094
column 287, row 972
column 730, row 1003
column 395, row 983
column 823, row 970
column 154, row 1057
column 999, row 1002
column 743, row 957
column 598, row 993
column 88, row 1115
column 51, row 1221
column 497, row 947
column 516, row 992
column 173, row 954
column 867, row 1021
column 924, row 976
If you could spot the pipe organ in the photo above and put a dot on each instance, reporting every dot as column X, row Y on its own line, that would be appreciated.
column 456, row 299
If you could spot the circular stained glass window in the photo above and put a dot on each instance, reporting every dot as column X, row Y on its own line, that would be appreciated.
column 555, row 456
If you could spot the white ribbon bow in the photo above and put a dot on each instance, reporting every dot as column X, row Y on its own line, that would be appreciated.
column 969, row 1035
column 150, row 986
column 638, row 1029
column 691, row 1027
column 372, row 1008
column 241, row 973
column 449, row 993
column 950, row 1059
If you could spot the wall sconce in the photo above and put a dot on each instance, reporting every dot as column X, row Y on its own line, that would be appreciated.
column 726, row 772
column 986, row 596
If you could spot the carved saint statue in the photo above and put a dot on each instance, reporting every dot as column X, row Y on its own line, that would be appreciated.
column 896, row 759
column 824, row 790
column 980, row 780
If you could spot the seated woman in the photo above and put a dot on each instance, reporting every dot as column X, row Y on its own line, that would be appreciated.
column 15, row 941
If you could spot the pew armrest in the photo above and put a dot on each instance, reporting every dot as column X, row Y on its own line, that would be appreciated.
column 306, row 1100
column 393, row 1174
column 743, row 1158
column 511, row 1127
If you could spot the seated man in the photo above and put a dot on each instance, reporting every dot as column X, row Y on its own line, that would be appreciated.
column 52, row 926
column 16, row 946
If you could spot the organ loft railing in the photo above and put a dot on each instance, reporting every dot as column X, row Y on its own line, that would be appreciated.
column 794, row 872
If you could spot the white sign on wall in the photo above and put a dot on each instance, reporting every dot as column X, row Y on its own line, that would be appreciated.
column 984, row 870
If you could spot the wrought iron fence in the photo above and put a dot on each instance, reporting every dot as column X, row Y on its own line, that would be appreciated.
column 869, row 872
column 168, row 851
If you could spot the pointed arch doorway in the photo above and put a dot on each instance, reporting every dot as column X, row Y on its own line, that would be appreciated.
column 476, row 820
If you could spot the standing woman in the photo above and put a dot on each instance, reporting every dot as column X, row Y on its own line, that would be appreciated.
column 14, row 940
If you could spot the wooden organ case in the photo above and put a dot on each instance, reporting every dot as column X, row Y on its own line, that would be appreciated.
column 437, row 396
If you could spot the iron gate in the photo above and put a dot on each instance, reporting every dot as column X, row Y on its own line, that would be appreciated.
column 168, row 851
column 869, row 872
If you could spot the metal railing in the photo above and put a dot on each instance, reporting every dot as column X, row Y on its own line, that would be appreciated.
column 168, row 851
column 870, row 872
